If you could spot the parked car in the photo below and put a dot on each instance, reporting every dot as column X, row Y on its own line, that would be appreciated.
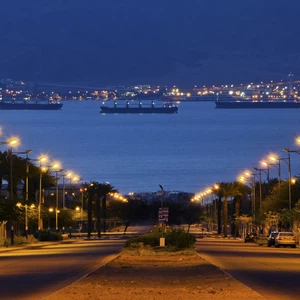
column 285, row 239
column 250, row 237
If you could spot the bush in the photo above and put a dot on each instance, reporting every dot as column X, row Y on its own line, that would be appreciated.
column 175, row 239
column 180, row 240
column 151, row 239
column 44, row 236
column 20, row 240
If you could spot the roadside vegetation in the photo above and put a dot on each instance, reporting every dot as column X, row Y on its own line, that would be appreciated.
column 230, row 208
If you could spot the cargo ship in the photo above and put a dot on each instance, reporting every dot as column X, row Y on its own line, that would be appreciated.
column 30, row 105
column 166, row 108
column 258, row 104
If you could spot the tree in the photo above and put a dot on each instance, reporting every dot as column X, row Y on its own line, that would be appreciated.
column 244, row 192
column 99, row 191
column 226, row 190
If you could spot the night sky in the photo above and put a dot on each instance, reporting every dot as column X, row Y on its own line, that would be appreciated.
column 158, row 42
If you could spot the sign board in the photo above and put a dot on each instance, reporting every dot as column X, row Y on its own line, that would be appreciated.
column 163, row 215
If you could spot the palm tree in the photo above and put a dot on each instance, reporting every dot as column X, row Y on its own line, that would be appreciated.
column 226, row 190
column 244, row 191
column 101, row 191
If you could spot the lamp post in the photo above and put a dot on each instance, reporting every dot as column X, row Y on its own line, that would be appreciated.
column 40, row 160
column 260, row 187
column 242, row 179
column 74, row 178
column 289, row 163
column 277, row 166
column 81, row 212
column 56, row 196
column 26, row 189
column 287, row 160
column 68, row 174
column 12, row 143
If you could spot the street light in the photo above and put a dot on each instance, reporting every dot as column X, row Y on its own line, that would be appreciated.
column 56, row 166
column 243, row 179
column 12, row 142
column 81, row 212
column 260, row 187
column 40, row 160
column 26, row 189
column 287, row 160
column 68, row 174
column 254, row 191
column 277, row 166
column 76, row 179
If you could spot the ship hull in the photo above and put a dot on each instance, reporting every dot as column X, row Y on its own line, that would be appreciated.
column 138, row 110
column 249, row 104
column 34, row 106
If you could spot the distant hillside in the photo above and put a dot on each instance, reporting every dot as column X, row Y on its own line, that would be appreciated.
column 163, row 42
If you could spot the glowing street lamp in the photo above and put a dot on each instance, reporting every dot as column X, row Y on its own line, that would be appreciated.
column 288, row 162
column 68, row 175
column 26, row 188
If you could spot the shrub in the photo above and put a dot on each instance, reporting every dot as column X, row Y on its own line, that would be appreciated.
column 175, row 240
column 44, row 236
column 151, row 239
column 20, row 240
column 179, row 239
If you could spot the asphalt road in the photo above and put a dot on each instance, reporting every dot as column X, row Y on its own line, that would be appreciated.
column 272, row 272
column 34, row 273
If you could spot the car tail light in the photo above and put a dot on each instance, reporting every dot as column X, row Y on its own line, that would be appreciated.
column 280, row 238
column 293, row 238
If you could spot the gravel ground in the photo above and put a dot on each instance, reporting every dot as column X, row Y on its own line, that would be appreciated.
column 157, row 276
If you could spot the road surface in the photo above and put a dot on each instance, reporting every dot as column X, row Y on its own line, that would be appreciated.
column 272, row 272
column 36, row 273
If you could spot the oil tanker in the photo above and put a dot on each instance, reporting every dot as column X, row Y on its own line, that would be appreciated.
column 258, row 104
column 166, row 108
column 30, row 105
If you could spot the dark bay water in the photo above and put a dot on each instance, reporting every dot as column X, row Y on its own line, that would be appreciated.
column 187, row 151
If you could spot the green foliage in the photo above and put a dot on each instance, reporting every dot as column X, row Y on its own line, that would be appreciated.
column 20, row 240
column 150, row 239
column 180, row 240
column 44, row 236
column 175, row 240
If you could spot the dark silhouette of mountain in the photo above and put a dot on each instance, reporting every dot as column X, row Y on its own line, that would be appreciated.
column 158, row 42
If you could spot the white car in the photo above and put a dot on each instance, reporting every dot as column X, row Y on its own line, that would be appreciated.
column 285, row 239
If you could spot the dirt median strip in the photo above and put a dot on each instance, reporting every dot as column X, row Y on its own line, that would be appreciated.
column 158, row 276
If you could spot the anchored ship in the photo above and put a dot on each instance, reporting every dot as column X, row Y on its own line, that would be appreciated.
column 258, row 104
column 30, row 105
column 166, row 108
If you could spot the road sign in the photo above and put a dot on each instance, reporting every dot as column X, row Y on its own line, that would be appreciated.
column 163, row 215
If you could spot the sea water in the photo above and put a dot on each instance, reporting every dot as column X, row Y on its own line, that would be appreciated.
column 188, row 151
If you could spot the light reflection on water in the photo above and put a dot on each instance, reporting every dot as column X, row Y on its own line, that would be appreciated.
column 186, row 151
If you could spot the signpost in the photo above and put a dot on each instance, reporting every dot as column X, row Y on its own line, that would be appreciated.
column 163, row 215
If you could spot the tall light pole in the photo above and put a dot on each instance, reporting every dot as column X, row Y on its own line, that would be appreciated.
column 40, row 160
column 26, row 188
column 277, row 166
column 287, row 160
column 242, row 179
column 162, row 195
column 81, row 212
column 11, row 142
column 56, row 196
column 260, row 188
column 68, row 174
